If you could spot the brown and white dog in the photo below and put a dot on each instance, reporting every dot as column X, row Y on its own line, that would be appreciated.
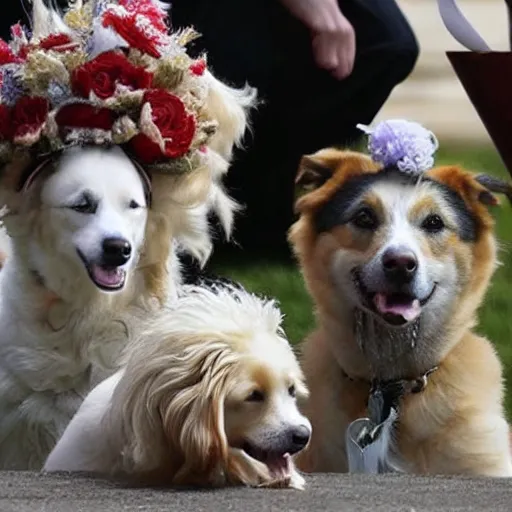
column 398, row 266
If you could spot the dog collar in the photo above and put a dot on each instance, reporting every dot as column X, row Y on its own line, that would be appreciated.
column 386, row 394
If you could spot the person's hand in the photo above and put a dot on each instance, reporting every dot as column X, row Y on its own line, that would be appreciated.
column 333, row 37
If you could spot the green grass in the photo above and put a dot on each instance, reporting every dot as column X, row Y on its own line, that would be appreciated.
column 285, row 283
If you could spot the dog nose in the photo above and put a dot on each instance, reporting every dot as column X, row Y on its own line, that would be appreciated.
column 399, row 264
column 299, row 438
column 116, row 251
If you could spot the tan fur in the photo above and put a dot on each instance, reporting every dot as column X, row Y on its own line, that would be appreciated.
column 184, row 402
column 453, row 426
column 180, row 412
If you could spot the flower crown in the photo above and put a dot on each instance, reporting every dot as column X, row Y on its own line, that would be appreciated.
column 108, row 73
column 406, row 145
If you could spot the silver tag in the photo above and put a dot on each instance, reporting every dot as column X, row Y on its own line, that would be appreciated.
column 368, row 445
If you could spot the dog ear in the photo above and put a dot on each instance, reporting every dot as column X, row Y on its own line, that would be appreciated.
column 313, row 173
column 168, row 411
column 195, row 419
column 320, row 175
column 493, row 184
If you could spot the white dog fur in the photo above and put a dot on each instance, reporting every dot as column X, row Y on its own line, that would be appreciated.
column 60, row 333
column 213, row 375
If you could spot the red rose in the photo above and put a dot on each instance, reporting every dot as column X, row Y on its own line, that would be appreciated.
column 7, row 56
column 57, row 42
column 5, row 123
column 198, row 67
column 105, row 72
column 145, row 39
column 177, row 128
column 24, row 51
column 148, row 9
column 79, row 115
column 29, row 116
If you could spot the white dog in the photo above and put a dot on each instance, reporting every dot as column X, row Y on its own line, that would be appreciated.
column 207, row 397
column 88, row 261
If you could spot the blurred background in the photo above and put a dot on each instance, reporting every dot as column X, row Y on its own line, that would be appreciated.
column 433, row 96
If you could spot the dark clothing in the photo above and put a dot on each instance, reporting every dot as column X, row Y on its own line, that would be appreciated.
column 13, row 12
column 304, row 108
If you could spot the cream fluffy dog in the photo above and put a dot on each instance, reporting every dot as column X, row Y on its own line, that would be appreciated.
column 88, row 258
column 206, row 397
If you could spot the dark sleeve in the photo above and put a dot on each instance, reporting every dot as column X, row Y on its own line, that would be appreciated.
column 12, row 13
column 15, row 11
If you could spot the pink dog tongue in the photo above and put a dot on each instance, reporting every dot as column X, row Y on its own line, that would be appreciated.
column 108, row 277
column 279, row 466
column 408, row 310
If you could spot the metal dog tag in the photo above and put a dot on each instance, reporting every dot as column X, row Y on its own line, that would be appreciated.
column 367, row 444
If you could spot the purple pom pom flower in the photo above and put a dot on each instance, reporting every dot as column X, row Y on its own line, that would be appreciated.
column 404, row 144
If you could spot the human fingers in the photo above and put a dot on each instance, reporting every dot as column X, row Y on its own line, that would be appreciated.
column 325, row 51
column 346, row 53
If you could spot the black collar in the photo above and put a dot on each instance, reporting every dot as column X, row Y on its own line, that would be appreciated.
column 385, row 395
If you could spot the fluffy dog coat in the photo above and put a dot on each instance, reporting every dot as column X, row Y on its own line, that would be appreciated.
column 352, row 215
column 207, row 396
column 61, row 334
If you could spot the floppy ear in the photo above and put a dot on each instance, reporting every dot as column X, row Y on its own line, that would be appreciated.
column 493, row 184
column 167, row 411
column 324, row 172
column 202, row 439
column 194, row 419
column 312, row 173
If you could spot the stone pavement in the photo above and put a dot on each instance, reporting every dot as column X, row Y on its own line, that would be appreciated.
column 32, row 492
column 433, row 95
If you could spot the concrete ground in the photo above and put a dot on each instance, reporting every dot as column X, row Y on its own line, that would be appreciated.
column 24, row 491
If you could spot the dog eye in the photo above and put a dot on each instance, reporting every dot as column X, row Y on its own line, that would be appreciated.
column 433, row 224
column 85, row 206
column 134, row 205
column 365, row 218
column 255, row 396
column 292, row 391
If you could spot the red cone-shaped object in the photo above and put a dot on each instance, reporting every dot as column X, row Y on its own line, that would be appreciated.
column 487, row 79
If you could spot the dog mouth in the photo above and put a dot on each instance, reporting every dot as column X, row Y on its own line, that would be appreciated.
column 278, row 464
column 395, row 308
column 106, row 278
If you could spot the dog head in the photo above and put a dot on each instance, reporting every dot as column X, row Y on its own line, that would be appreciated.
column 413, row 256
column 213, row 398
column 83, row 219
column 181, row 202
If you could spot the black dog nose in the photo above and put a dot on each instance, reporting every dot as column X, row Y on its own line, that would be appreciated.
column 399, row 264
column 116, row 252
column 299, row 438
